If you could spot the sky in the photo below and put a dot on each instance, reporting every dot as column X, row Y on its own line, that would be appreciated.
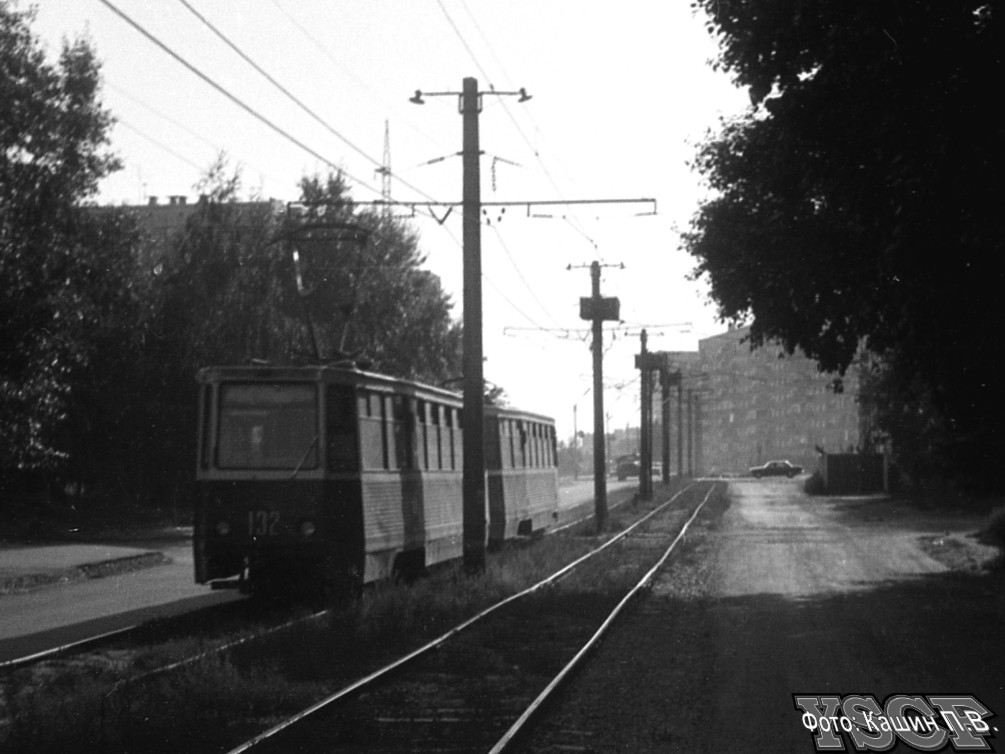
column 621, row 95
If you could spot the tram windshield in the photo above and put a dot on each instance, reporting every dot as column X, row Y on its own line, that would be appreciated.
column 268, row 426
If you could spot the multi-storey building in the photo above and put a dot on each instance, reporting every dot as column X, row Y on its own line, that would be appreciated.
column 753, row 406
column 742, row 408
column 159, row 222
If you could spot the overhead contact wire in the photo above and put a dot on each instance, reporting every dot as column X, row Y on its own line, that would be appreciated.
column 293, row 98
column 233, row 98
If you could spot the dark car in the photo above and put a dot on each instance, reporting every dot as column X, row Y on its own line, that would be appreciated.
column 627, row 466
column 776, row 468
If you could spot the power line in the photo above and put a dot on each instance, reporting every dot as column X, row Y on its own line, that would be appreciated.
column 299, row 103
column 348, row 72
column 183, row 127
column 509, row 113
column 464, row 42
column 509, row 301
column 158, row 144
column 233, row 98
column 516, row 267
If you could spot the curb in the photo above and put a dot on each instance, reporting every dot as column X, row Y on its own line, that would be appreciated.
column 83, row 572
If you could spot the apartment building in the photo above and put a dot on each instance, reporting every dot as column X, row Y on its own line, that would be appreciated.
column 748, row 407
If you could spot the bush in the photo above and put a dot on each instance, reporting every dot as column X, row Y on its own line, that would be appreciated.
column 993, row 532
column 814, row 484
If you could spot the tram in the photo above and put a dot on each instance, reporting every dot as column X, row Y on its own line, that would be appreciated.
column 326, row 478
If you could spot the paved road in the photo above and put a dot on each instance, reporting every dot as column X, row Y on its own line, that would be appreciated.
column 781, row 594
column 812, row 600
column 60, row 614
column 63, row 613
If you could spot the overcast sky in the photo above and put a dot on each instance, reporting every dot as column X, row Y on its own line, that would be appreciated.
column 621, row 94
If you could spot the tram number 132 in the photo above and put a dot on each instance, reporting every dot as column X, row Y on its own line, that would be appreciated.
column 263, row 523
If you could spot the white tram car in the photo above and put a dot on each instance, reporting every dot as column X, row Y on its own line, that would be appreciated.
column 313, row 477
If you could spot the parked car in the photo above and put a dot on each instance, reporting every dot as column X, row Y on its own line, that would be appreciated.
column 627, row 466
column 776, row 468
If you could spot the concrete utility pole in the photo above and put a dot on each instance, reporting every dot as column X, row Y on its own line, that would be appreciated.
column 648, row 362
column 645, row 447
column 473, row 424
column 598, row 309
column 690, row 433
column 667, row 380
column 473, row 479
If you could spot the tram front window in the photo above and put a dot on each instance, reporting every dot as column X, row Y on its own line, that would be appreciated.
column 268, row 426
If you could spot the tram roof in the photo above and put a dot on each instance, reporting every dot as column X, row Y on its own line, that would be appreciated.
column 341, row 374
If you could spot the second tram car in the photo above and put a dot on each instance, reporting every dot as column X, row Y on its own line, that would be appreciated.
column 327, row 477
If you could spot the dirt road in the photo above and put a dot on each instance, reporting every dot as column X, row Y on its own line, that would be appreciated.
column 780, row 594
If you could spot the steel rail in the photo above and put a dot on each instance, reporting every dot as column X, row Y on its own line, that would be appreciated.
column 587, row 517
column 37, row 656
column 214, row 652
column 367, row 680
column 521, row 722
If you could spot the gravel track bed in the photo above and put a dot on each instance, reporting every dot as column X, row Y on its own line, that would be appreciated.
column 465, row 695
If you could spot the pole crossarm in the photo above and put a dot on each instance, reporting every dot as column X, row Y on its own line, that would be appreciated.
column 528, row 203
column 474, row 526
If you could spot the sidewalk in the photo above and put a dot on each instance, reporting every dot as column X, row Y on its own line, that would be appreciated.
column 26, row 567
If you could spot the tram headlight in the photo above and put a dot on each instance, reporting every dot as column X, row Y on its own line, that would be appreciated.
column 307, row 528
column 222, row 528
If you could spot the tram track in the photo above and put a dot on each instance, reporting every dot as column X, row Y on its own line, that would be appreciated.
column 132, row 655
column 131, row 638
column 479, row 685
column 131, row 686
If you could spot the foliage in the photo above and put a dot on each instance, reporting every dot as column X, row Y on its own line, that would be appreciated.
column 227, row 293
column 104, row 330
column 814, row 484
column 64, row 275
column 993, row 531
column 851, row 203
column 369, row 293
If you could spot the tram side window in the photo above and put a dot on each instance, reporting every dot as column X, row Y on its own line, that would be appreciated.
column 520, row 446
column 205, row 412
column 341, row 430
column 490, row 442
column 505, row 449
column 433, row 435
column 401, row 432
column 421, row 431
column 458, row 438
column 390, row 439
column 447, row 442
column 371, row 430
column 511, row 440
column 552, row 447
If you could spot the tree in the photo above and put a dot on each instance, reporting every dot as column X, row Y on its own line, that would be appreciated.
column 59, row 269
column 229, row 293
column 851, row 205
column 370, row 293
